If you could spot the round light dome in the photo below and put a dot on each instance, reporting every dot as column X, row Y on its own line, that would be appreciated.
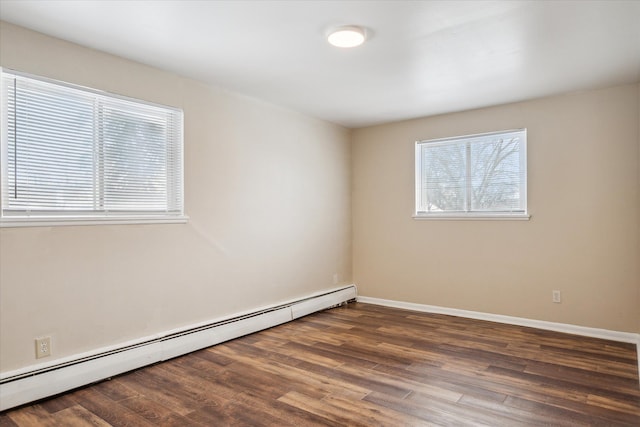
column 350, row 36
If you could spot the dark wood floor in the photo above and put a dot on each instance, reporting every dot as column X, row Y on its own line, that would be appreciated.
column 368, row 365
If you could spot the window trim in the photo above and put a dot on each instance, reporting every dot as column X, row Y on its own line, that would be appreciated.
column 50, row 221
column 471, row 215
column 97, row 218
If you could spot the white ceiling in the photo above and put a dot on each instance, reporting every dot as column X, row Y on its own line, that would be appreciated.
column 421, row 58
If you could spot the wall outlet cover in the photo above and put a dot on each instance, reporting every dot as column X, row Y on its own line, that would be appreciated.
column 43, row 347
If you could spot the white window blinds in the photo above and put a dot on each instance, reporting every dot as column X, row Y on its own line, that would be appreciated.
column 70, row 151
column 479, row 174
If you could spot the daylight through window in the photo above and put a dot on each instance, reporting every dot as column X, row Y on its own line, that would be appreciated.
column 70, row 153
column 472, row 176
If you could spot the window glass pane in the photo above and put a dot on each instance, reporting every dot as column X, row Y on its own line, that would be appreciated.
column 135, row 161
column 443, row 172
column 495, row 173
column 49, row 149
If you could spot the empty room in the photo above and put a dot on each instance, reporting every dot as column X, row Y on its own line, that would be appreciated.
column 319, row 213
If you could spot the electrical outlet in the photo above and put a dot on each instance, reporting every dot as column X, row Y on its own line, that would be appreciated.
column 43, row 347
column 556, row 297
column 335, row 278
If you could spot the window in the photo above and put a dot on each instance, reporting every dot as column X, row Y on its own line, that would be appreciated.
column 477, row 176
column 80, row 155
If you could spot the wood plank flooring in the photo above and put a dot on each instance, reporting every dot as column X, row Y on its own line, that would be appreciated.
column 366, row 365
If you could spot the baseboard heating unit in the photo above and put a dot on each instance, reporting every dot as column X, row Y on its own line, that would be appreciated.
column 34, row 383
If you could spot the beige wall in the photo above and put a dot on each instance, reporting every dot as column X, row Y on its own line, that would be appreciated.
column 267, row 192
column 582, row 238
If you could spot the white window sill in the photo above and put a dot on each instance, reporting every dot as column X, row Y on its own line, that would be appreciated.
column 474, row 217
column 88, row 220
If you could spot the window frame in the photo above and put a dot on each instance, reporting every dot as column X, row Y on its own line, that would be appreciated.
column 59, row 217
column 519, row 214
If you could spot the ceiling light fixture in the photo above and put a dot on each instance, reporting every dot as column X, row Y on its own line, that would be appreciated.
column 350, row 36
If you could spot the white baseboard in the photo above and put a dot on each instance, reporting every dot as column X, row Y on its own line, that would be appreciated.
column 43, row 380
column 627, row 337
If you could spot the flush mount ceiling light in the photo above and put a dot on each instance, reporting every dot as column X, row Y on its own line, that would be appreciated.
column 349, row 36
